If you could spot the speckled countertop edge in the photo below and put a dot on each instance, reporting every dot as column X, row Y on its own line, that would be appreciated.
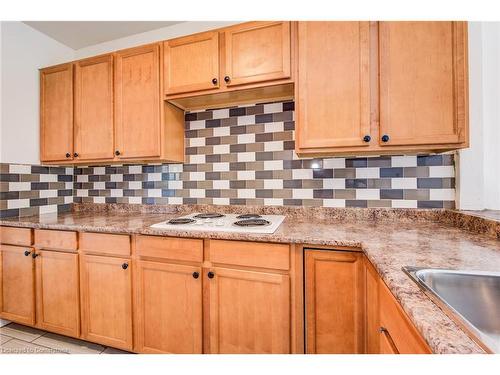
column 440, row 332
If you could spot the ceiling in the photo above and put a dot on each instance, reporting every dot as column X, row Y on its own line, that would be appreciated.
column 79, row 34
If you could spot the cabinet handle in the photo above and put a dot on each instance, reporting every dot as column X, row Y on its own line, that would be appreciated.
column 385, row 138
column 125, row 266
column 68, row 155
column 214, row 81
column 386, row 333
column 117, row 152
column 367, row 138
column 211, row 275
column 196, row 275
column 75, row 154
column 34, row 255
column 227, row 79
column 27, row 253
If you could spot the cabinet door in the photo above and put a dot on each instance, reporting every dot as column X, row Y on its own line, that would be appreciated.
column 332, row 86
column 249, row 312
column 94, row 108
column 106, row 297
column 257, row 52
column 17, row 284
column 137, row 102
column 168, row 313
column 423, row 82
column 334, row 288
column 191, row 63
column 58, row 305
column 56, row 113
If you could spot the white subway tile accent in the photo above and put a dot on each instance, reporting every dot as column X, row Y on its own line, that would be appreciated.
column 404, row 183
column 404, row 161
column 442, row 171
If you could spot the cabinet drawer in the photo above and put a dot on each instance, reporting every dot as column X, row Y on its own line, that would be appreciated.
column 186, row 249
column 55, row 239
column 395, row 324
column 251, row 254
column 15, row 236
column 104, row 243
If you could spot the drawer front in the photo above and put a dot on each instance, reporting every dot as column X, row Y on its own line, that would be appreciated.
column 55, row 239
column 15, row 236
column 183, row 249
column 396, row 325
column 250, row 254
column 104, row 243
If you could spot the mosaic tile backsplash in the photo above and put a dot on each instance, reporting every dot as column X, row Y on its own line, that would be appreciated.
column 245, row 156
column 32, row 189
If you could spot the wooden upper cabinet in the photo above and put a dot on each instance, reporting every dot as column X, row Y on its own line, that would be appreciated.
column 332, row 88
column 137, row 102
column 257, row 52
column 423, row 82
column 191, row 63
column 56, row 113
column 335, row 302
column 249, row 312
column 94, row 108
column 58, row 305
column 17, row 284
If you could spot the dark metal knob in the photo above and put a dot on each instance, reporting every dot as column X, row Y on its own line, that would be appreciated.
column 385, row 138
column 367, row 138
column 196, row 275
column 117, row 152
column 125, row 266
column 211, row 275
column 75, row 154
column 214, row 81
column 68, row 155
column 27, row 253
column 227, row 79
column 34, row 255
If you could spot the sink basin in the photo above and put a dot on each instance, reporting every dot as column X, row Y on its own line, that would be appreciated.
column 472, row 298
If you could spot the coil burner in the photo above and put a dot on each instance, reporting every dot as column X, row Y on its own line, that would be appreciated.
column 208, row 215
column 252, row 223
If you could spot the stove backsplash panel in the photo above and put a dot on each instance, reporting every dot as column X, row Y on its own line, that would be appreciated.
column 245, row 156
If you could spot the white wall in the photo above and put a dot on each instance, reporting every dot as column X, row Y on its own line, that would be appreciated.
column 24, row 51
column 479, row 166
column 163, row 33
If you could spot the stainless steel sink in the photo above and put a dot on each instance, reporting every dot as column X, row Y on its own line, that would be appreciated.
column 473, row 298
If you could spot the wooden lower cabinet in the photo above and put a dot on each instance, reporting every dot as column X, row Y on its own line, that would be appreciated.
column 106, row 299
column 57, row 292
column 17, row 284
column 334, row 301
column 168, row 311
column 249, row 311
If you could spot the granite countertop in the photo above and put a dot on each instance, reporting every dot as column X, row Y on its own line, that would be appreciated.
column 389, row 245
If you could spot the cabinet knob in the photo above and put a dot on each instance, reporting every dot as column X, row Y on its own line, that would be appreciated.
column 196, row 275
column 385, row 138
column 214, row 81
column 382, row 330
column 75, row 154
column 211, row 275
column 27, row 253
column 34, row 255
column 117, row 152
column 68, row 155
column 367, row 138
column 125, row 266
column 227, row 79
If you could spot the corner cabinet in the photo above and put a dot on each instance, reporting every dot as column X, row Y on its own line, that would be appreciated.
column 334, row 302
column 56, row 113
column 381, row 87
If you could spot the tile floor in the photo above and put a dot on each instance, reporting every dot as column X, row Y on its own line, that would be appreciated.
column 18, row 339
